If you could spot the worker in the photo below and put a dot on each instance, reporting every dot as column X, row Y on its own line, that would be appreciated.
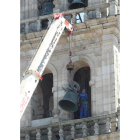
column 84, row 102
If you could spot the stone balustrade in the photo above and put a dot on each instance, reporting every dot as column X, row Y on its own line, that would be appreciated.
column 70, row 15
column 73, row 129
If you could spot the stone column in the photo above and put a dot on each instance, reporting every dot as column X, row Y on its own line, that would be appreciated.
column 98, row 13
column 57, row 3
column 26, row 27
column 72, row 131
column 108, row 125
column 73, row 18
column 38, row 134
column 27, row 136
column 61, row 132
column 85, row 15
column 38, row 25
column 56, row 113
column 93, row 98
column 84, row 129
column 50, row 133
column 113, row 7
column 96, row 127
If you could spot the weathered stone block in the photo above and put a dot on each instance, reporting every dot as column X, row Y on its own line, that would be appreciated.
column 30, row 35
column 26, row 47
column 98, row 71
column 79, row 26
column 99, row 97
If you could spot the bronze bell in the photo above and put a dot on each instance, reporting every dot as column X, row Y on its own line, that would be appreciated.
column 46, row 7
column 69, row 102
column 77, row 4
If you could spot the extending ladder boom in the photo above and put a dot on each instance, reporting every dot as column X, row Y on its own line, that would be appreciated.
column 33, row 74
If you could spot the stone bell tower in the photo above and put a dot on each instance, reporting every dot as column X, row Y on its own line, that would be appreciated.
column 95, row 47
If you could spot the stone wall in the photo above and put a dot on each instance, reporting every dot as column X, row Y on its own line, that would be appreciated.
column 95, row 44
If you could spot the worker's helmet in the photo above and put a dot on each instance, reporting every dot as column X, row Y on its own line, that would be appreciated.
column 84, row 90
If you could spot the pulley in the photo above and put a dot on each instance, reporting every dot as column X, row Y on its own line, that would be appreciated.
column 70, row 66
column 46, row 7
column 69, row 101
column 77, row 4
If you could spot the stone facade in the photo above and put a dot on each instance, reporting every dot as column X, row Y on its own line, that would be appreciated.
column 95, row 43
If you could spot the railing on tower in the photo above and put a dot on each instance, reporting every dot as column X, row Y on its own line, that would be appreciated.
column 74, row 128
column 90, row 12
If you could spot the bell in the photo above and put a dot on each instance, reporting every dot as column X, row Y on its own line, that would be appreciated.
column 69, row 102
column 47, row 7
column 77, row 4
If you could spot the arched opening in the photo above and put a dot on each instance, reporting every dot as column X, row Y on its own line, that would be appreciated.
column 46, row 86
column 80, row 62
column 42, row 100
column 82, row 77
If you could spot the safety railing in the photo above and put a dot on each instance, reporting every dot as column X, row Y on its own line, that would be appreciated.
column 72, row 129
column 41, row 22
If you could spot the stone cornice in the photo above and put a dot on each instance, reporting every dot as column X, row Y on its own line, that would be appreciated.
column 86, row 30
column 74, row 49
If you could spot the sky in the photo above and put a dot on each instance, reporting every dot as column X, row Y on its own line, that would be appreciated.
column 82, row 17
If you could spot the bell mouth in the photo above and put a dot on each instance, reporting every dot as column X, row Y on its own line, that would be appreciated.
column 76, row 5
column 68, row 105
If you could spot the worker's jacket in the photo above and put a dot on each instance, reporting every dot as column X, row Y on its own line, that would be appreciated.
column 84, row 98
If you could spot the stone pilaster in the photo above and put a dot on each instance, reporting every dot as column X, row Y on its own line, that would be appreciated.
column 93, row 98
column 113, row 7
column 108, row 125
column 50, row 133
column 96, row 127
column 84, row 129
column 38, row 134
